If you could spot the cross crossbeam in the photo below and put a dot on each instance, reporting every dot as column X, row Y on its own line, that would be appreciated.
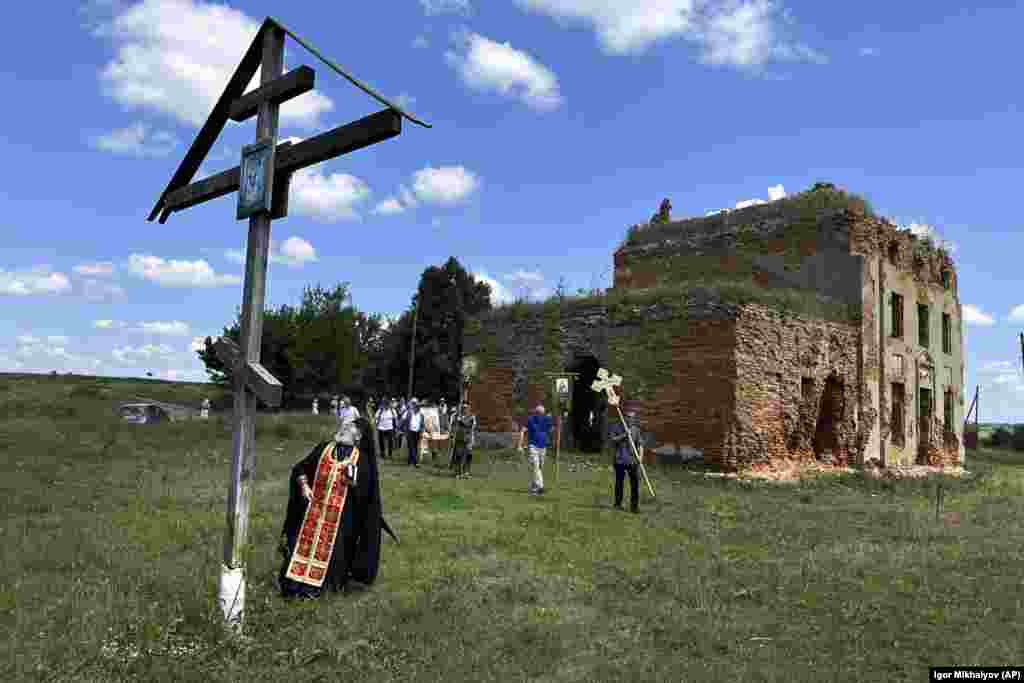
column 259, row 380
column 353, row 136
column 277, row 91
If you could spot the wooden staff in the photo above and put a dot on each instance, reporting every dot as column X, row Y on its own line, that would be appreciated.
column 558, row 446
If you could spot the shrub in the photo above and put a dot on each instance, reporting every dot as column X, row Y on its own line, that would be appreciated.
column 1001, row 438
column 1017, row 440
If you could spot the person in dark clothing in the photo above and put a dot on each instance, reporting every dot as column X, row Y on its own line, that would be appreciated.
column 625, row 460
column 413, row 429
column 464, row 435
column 353, row 553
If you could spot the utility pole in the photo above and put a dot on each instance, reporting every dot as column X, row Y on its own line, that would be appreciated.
column 412, row 346
column 1022, row 351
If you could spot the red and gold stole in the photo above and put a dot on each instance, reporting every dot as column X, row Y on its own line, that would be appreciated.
column 320, row 524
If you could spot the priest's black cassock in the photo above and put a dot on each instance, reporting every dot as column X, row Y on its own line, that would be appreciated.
column 357, row 549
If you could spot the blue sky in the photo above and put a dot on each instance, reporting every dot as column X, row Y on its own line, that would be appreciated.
column 557, row 124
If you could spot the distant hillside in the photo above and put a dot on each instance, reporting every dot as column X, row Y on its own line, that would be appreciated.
column 22, row 392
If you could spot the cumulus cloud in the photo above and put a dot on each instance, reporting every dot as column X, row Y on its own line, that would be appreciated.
column 175, row 328
column 975, row 316
column 28, row 340
column 527, row 276
column 175, row 273
column 175, row 57
column 95, row 269
column 420, row 42
column 432, row 7
column 37, row 280
column 1017, row 313
column 500, row 294
column 775, row 192
column 137, row 140
column 389, row 207
column 489, row 66
column 294, row 252
column 740, row 33
column 99, row 291
column 132, row 354
column 197, row 344
column 327, row 198
column 446, row 186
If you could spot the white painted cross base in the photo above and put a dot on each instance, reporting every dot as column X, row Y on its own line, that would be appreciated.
column 231, row 596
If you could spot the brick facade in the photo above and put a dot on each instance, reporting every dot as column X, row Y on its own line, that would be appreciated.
column 753, row 336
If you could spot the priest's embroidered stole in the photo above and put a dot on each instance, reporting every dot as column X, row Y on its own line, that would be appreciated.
column 319, row 529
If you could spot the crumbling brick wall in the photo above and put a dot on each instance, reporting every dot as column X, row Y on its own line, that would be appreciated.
column 784, row 365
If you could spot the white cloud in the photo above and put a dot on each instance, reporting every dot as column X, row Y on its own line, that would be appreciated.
column 975, row 316
column 868, row 52
column 294, row 252
column 487, row 65
column 175, row 328
column 326, row 198
column 741, row 33
column 95, row 290
column 175, row 273
column 432, row 7
column 1017, row 313
column 132, row 354
column 57, row 340
column 420, row 42
column 447, row 185
column 95, row 269
column 175, row 57
column 500, row 294
column 136, row 140
column 28, row 340
column 997, row 366
column 526, row 276
column 749, row 202
column 38, row 280
column 776, row 192
column 407, row 198
column 107, row 324
column 198, row 343
column 389, row 207
column 925, row 230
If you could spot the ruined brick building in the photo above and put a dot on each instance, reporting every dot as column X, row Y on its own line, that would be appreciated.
column 804, row 328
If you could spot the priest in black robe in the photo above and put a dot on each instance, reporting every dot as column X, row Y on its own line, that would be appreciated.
column 355, row 559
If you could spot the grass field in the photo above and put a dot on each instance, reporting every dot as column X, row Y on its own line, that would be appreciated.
column 112, row 536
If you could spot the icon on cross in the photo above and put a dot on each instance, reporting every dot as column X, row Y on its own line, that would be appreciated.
column 607, row 383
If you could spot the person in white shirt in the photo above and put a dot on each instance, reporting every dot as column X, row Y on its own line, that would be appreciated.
column 386, row 418
column 347, row 415
column 413, row 428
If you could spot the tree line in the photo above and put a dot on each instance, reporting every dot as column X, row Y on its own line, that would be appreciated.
column 326, row 346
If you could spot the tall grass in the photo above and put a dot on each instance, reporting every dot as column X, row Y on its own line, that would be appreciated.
column 111, row 544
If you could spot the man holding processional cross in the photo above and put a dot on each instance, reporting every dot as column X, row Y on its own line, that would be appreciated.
column 262, row 181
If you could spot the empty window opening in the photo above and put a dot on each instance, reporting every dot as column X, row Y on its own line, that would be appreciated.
column 897, row 430
column 806, row 388
column 897, row 316
column 894, row 253
column 922, row 325
column 945, row 279
column 948, row 411
column 947, row 333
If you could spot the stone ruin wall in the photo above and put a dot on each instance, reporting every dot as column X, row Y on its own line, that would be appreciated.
column 788, row 371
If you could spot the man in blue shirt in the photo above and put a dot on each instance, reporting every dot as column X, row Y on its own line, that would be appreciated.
column 538, row 426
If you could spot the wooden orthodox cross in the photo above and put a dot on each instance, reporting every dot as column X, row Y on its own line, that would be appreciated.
column 262, row 180
column 607, row 383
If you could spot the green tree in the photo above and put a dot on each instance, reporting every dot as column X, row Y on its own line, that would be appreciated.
column 448, row 295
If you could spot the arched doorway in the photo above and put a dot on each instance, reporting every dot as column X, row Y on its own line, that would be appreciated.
column 587, row 417
column 830, row 415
